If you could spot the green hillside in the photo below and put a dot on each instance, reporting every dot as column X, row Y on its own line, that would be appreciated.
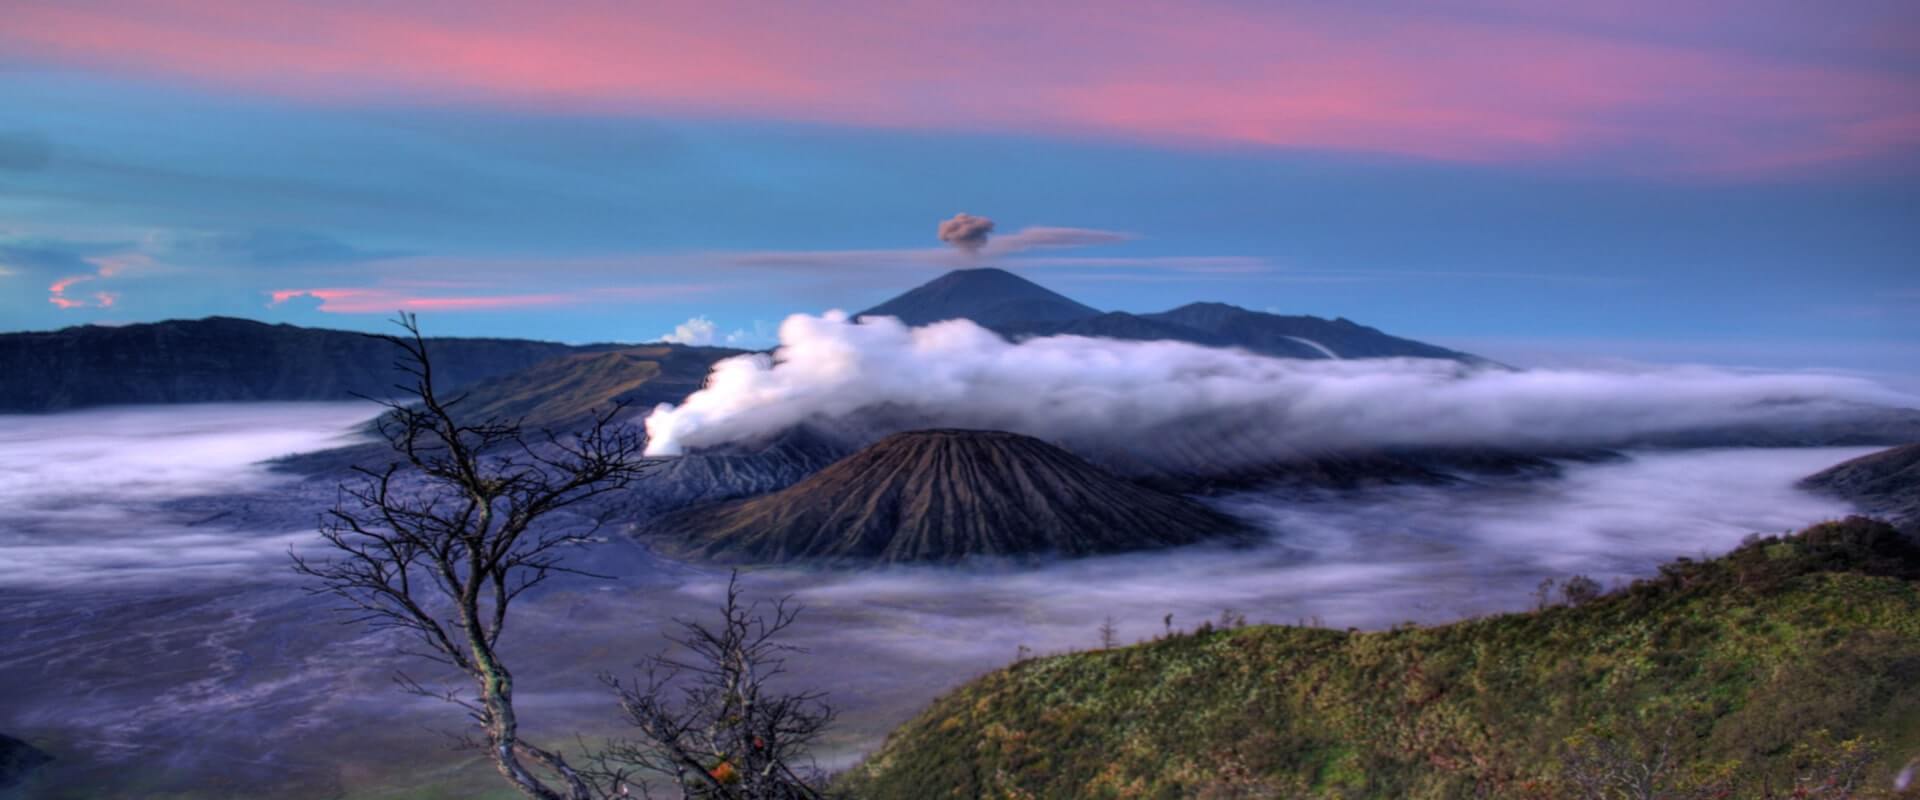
column 1749, row 668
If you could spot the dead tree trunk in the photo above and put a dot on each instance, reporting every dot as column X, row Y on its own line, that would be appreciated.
column 440, row 542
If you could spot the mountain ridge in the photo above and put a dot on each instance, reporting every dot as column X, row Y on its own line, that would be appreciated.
column 230, row 359
column 1262, row 331
column 1016, row 308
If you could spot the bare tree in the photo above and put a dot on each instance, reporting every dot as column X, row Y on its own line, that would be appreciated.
column 1580, row 590
column 1640, row 760
column 1109, row 634
column 1834, row 770
column 441, row 542
column 1609, row 768
column 710, row 721
column 1543, row 595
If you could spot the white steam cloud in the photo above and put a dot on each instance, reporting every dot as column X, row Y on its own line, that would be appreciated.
column 1081, row 390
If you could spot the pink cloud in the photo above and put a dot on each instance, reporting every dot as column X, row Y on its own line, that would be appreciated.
column 1474, row 80
column 502, row 292
column 58, row 296
column 105, row 266
column 376, row 301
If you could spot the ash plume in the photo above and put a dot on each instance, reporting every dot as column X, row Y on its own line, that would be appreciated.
column 966, row 231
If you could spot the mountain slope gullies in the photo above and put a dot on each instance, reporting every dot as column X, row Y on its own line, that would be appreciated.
column 941, row 496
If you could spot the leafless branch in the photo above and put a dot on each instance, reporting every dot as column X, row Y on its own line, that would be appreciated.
column 439, row 543
column 708, row 721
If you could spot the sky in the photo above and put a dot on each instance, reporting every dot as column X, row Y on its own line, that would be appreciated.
column 1723, row 182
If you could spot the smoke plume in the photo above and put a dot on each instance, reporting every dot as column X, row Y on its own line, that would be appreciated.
column 966, row 231
column 1088, row 393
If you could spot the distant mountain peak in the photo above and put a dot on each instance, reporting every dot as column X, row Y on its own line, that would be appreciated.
column 1016, row 307
column 1211, row 305
column 987, row 295
column 980, row 273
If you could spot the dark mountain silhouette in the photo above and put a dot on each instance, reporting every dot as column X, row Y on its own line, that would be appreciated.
column 17, row 759
column 223, row 359
column 1886, row 483
column 1276, row 334
column 987, row 296
column 940, row 496
column 1016, row 308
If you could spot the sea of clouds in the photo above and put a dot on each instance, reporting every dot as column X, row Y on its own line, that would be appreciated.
column 181, row 649
column 83, row 494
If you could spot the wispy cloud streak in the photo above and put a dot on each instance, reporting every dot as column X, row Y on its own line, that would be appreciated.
column 1462, row 81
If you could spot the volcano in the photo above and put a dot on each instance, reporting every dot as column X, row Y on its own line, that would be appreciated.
column 1017, row 308
column 942, row 496
column 988, row 296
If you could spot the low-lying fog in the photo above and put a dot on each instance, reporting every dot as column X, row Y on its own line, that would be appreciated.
column 156, row 642
column 80, row 493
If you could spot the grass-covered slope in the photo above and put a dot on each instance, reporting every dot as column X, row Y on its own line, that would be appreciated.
column 565, row 393
column 1737, row 664
column 561, row 394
